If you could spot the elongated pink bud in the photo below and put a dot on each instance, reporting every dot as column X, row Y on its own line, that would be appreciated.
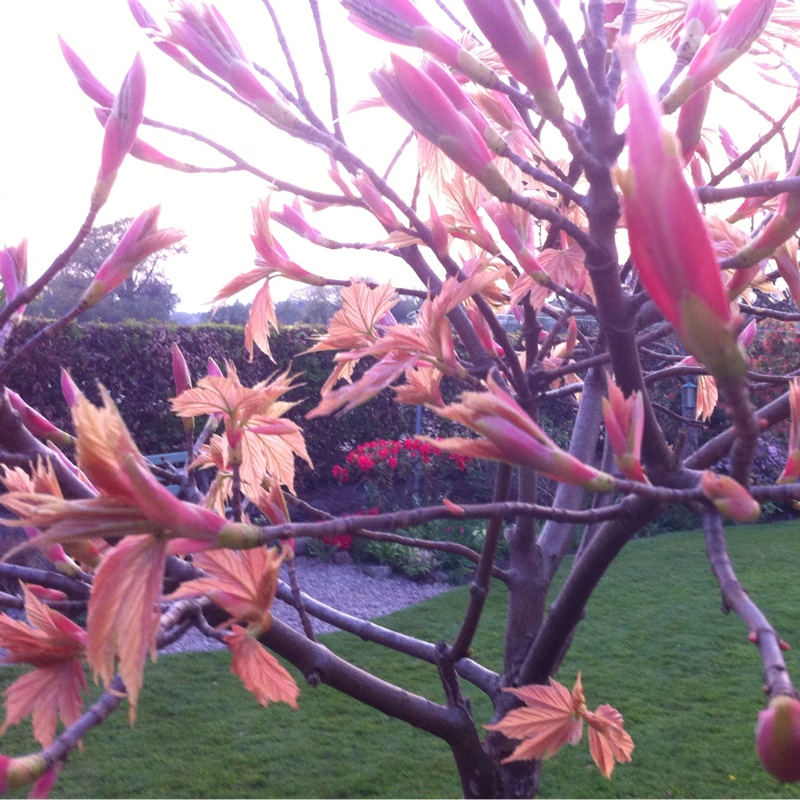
column 37, row 424
column 690, row 122
column 778, row 738
column 421, row 103
column 87, row 82
column 69, row 389
column 202, row 31
column 123, row 122
column 702, row 17
column 140, row 241
column 463, row 104
column 669, row 242
column 733, row 39
column 145, row 152
column 401, row 22
column 503, row 24
column 180, row 370
column 624, row 418
column 729, row 497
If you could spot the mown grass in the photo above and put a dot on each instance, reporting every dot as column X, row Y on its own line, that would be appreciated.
column 654, row 644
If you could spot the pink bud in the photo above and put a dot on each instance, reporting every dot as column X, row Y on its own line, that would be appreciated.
column 624, row 418
column 733, row 39
column 69, row 389
column 43, row 593
column 145, row 152
column 292, row 217
column 140, row 241
column 729, row 497
column 87, row 82
column 781, row 227
column 778, row 738
column 401, row 22
column 421, row 103
column 503, row 24
column 203, row 32
column 702, row 17
column 44, row 785
column 669, row 242
column 180, row 370
column 375, row 202
column 445, row 81
column 126, row 116
column 213, row 369
column 37, row 424
column 690, row 122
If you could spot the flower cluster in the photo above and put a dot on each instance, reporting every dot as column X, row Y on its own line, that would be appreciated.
column 394, row 454
column 341, row 542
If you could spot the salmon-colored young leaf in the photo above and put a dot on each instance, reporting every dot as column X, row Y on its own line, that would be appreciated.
column 260, row 671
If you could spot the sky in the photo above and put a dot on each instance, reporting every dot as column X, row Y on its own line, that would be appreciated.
column 52, row 140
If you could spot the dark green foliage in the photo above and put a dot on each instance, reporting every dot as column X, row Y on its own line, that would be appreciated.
column 134, row 362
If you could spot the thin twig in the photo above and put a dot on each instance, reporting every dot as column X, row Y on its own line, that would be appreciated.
column 736, row 599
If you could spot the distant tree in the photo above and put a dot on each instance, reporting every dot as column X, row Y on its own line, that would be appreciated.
column 236, row 313
column 311, row 304
column 146, row 295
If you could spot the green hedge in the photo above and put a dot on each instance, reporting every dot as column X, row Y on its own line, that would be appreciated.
column 134, row 361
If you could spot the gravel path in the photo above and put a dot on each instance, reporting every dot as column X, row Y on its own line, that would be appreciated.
column 344, row 587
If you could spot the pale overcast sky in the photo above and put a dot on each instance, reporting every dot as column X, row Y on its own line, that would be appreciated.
column 51, row 139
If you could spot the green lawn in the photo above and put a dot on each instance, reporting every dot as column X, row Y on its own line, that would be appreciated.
column 654, row 644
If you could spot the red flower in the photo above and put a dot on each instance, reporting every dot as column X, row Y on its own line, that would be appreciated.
column 365, row 463
column 392, row 462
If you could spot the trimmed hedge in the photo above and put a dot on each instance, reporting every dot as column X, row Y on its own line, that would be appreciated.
column 133, row 361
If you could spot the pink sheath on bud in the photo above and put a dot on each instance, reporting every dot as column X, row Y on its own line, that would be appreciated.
column 733, row 39
column 123, row 123
column 69, row 388
column 213, row 369
column 503, row 24
column 37, row 424
column 669, row 241
column 87, row 82
column 180, row 370
column 141, row 240
column 729, row 497
column 421, row 103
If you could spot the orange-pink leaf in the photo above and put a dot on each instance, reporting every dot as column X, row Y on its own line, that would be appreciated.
column 242, row 582
column 260, row 671
column 45, row 694
column 550, row 719
column 609, row 742
column 124, row 611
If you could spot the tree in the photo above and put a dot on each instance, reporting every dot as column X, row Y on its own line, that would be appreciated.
column 530, row 197
column 236, row 313
column 314, row 305
column 146, row 295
